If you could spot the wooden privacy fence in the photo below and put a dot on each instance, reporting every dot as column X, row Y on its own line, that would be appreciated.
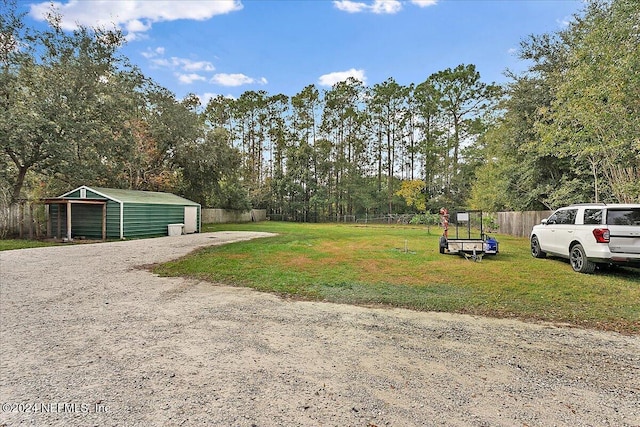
column 519, row 223
column 23, row 220
column 221, row 216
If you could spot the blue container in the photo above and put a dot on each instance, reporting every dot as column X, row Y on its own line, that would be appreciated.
column 491, row 246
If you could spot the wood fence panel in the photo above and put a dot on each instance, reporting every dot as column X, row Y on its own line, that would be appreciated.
column 520, row 223
column 221, row 216
column 24, row 220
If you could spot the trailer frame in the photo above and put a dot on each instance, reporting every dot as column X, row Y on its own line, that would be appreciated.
column 475, row 245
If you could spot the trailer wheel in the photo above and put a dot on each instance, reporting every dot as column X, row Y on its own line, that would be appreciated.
column 443, row 244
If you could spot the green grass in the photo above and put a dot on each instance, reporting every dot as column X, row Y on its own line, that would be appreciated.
column 10, row 244
column 368, row 265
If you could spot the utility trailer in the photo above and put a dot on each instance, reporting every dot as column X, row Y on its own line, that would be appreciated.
column 470, row 240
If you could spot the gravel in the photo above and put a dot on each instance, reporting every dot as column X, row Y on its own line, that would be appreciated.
column 91, row 339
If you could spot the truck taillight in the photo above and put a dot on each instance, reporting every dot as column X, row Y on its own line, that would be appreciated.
column 601, row 235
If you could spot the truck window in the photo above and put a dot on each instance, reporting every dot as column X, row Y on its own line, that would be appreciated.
column 567, row 216
column 592, row 216
column 623, row 216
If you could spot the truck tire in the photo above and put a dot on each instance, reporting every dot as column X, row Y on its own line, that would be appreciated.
column 579, row 261
column 535, row 248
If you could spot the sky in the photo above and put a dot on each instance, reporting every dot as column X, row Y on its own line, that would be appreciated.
column 227, row 47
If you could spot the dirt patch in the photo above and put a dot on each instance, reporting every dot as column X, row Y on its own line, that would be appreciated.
column 87, row 339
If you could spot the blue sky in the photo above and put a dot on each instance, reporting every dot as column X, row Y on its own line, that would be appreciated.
column 228, row 47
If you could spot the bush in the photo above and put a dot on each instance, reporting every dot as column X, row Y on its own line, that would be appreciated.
column 427, row 219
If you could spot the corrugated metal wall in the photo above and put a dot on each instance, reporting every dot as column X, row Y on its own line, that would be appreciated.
column 147, row 220
column 113, row 220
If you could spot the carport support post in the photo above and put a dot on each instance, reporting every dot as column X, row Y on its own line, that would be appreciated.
column 59, row 233
column 47, row 214
column 68, row 220
column 104, row 221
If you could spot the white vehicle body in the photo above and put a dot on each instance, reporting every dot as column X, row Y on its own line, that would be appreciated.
column 590, row 234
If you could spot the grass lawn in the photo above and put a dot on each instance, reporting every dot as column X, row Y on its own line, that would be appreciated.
column 9, row 244
column 369, row 265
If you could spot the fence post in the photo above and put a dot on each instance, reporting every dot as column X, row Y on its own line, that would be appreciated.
column 21, row 220
column 31, row 221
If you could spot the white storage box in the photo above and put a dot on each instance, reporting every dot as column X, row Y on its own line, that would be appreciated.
column 176, row 229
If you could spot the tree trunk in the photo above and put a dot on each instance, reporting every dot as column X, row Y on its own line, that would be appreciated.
column 17, row 186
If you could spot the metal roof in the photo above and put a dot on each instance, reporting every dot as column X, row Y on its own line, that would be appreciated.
column 137, row 196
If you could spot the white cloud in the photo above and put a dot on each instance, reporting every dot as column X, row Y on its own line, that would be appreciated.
column 224, row 79
column 133, row 16
column 340, row 76
column 424, row 3
column 208, row 96
column 186, row 70
column 187, row 79
column 565, row 22
column 137, row 26
column 350, row 6
column 386, row 6
column 189, row 65
column 380, row 7
column 152, row 53
column 156, row 57
column 160, row 62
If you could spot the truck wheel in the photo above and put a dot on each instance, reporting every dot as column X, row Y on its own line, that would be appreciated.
column 579, row 261
column 535, row 248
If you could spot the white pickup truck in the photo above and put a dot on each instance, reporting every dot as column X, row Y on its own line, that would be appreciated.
column 590, row 235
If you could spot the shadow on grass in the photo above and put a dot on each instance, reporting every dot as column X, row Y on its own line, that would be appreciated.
column 622, row 272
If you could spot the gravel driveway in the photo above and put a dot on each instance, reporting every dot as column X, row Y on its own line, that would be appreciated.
column 89, row 339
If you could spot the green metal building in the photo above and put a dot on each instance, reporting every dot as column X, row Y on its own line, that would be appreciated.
column 109, row 213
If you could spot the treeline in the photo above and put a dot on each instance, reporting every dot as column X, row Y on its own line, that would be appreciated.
column 346, row 151
column 74, row 111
